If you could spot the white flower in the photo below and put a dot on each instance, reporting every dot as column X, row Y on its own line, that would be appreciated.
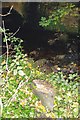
column 21, row 73
column 59, row 98
column 69, row 94
column 15, row 72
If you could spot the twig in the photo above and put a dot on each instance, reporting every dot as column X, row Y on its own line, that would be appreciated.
column 9, row 46
column 14, row 33
column 7, row 13
column 16, row 91
column 6, row 47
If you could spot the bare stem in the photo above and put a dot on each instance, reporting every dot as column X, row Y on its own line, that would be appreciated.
column 14, row 33
column 16, row 91
column 5, row 36
column 7, row 13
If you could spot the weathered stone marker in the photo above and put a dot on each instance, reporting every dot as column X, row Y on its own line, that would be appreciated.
column 45, row 92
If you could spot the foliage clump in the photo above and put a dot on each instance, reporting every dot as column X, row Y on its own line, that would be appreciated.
column 17, row 72
column 63, row 19
column 18, row 100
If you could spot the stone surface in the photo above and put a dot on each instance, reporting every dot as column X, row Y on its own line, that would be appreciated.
column 45, row 92
column 44, row 65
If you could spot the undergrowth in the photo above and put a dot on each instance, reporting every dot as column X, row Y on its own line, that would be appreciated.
column 17, row 72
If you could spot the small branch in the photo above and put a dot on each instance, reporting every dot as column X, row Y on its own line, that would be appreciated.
column 14, row 33
column 6, row 46
column 9, row 46
column 7, row 13
column 10, row 9
column 16, row 91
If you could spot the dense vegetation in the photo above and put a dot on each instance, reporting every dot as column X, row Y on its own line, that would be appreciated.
column 55, row 20
column 17, row 72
